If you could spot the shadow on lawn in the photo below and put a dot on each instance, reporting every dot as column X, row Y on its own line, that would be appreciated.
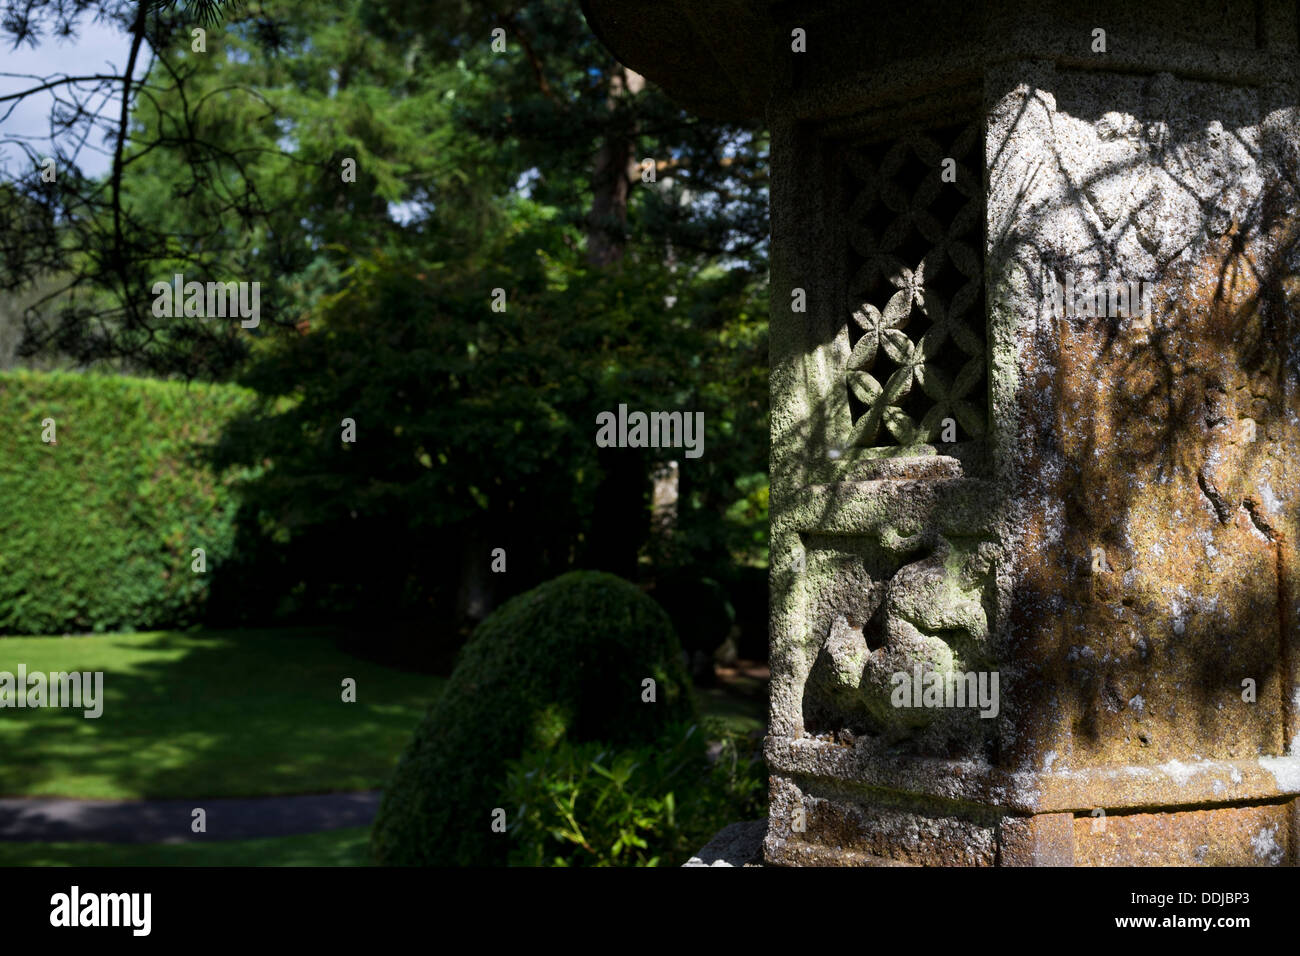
column 210, row 714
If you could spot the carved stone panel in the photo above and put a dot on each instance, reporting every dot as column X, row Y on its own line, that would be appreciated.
column 916, row 374
column 915, row 625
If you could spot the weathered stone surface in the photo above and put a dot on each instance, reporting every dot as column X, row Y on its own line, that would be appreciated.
column 1101, row 507
column 841, row 827
column 1225, row 836
column 737, row 844
column 1148, row 590
column 1043, row 840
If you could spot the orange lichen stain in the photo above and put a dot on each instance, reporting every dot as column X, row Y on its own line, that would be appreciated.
column 1153, row 653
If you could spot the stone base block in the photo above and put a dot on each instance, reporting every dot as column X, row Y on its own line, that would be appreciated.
column 818, row 822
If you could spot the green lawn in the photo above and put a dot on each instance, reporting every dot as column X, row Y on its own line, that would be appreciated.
column 732, row 710
column 231, row 714
column 209, row 714
column 227, row 713
column 347, row 847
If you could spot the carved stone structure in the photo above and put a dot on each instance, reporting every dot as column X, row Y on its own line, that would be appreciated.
column 979, row 471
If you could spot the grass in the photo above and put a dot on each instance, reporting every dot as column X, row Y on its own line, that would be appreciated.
column 224, row 714
column 737, row 704
column 230, row 714
column 209, row 714
column 346, row 847
column 730, row 713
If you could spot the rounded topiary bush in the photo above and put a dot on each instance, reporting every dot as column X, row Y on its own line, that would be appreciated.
column 566, row 660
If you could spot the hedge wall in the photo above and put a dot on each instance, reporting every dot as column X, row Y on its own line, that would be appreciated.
column 96, row 531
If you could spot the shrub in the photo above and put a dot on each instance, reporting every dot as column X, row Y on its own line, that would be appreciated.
column 593, row 805
column 565, row 661
column 98, row 529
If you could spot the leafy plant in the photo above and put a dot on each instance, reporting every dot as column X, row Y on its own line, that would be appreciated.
column 597, row 805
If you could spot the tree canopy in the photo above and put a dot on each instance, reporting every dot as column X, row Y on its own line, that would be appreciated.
column 392, row 174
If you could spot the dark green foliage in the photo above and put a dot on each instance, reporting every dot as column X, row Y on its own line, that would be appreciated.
column 476, row 169
column 473, row 431
column 698, row 607
column 476, row 429
column 709, row 604
column 564, row 661
column 96, row 531
column 595, row 805
column 748, row 590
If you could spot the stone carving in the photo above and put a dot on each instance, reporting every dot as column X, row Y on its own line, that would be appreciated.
column 893, row 370
column 1147, row 560
column 931, row 603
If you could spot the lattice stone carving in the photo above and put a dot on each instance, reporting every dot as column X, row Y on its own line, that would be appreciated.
column 919, row 357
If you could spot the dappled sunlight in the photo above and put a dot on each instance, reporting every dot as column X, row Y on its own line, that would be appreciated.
column 206, row 715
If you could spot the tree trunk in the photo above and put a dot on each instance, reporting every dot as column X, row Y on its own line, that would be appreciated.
column 610, row 177
column 621, row 519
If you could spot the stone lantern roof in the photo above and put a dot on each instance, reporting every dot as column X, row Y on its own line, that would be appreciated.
column 731, row 59
column 711, row 56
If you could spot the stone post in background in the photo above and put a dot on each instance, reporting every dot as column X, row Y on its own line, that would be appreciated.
column 1035, row 421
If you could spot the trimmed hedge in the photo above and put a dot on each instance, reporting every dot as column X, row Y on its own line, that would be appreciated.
column 562, row 662
column 96, row 531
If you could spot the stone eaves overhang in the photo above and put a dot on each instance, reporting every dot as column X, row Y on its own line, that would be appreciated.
column 730, row 59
